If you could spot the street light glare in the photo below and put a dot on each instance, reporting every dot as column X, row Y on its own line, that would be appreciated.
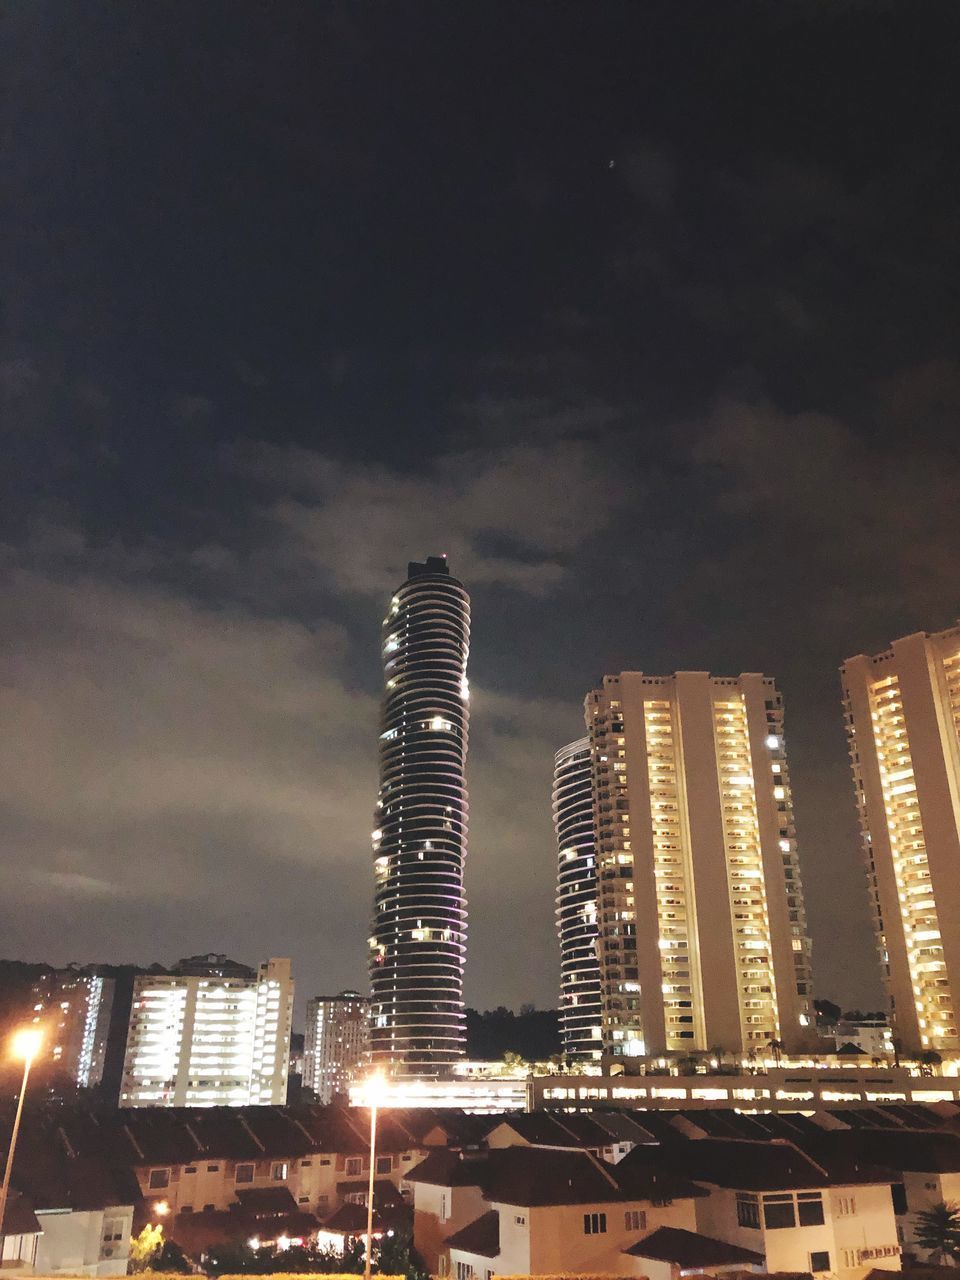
column 26, row 1043
column 375, row 1089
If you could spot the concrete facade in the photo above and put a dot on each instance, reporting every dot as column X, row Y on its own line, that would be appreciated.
column 903, row 723
column 702, row 928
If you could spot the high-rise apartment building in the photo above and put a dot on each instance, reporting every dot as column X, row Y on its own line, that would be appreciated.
column 702, row 933
column 419, row 934
column 209, row 1033
column 903, row 724
column 337, row 1043
column 577, row 886
column 74, row 1007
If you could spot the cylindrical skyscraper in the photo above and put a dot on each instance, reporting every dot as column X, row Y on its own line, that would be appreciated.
column 577, row 901
column 419, row 935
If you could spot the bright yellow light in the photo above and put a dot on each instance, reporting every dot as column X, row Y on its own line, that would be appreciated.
column 161, row 1208
column 375, row 1089
column 27, row 1043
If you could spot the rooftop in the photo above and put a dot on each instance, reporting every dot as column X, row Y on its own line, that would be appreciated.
column 688, row 1249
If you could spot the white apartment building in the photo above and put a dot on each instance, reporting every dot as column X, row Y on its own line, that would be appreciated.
column 700, row 912
column 73, row 1008
column 902, row 711
column 209, row 1033
column 337, row 1043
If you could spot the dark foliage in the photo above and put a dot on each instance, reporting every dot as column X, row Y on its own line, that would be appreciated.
column 532, row 1033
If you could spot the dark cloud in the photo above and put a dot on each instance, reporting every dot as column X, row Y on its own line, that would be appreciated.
column 289, row 309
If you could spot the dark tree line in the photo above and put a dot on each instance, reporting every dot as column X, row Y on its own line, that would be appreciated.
column 532, row 1033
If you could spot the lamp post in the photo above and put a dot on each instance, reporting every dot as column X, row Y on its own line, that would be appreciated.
column 25, row 1044
column 374, row 1091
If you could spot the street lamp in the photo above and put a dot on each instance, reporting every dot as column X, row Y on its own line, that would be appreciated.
column 374, row 1092
column 24, row 1045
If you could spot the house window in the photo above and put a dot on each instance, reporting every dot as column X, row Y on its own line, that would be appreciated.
column 810, row 1208
column 186, row 1208
column 191, row 1168
column 635, row 1220
column 748, row 1210
column 213, row 1168
column 244, row 1173
column 354, row 1166
column 820, row 1261
column 305, row 1164
column 846, row 1208
column 444, row 1207
column 324, row 1159
column 464, row 1271
column 159, row 1178
column 209, row 1208
column 778, row 1212
column 520, row 1220
column 594, row 1224
column 278, row 1171
column 112, row 1229
column 303, row 1199
column 384, row 1164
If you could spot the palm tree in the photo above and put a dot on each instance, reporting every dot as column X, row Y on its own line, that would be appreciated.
column 777, row 1047
column 937, row 1230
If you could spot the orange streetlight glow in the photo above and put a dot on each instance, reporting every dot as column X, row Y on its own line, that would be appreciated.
column 25, row 1044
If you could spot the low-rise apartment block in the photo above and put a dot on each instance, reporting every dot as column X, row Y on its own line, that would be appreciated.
column 210, row 1032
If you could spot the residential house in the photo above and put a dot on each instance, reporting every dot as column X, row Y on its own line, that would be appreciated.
column 525, row 1210
column 773, row 1199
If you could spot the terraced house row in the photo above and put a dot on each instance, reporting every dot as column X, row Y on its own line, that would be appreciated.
column 835, row 1193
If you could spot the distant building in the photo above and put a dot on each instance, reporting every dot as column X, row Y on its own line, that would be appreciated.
column 208, row 1033
column 903, row 725
column 337, row 1043
column 701, row 922
column 577, row 886
column 74, row 1008
column 419, row 934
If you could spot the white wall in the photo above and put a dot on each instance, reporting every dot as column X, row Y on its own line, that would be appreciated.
column 438, row 1213
column 559, row 1245
column 73, row 1243
column 871, row 1225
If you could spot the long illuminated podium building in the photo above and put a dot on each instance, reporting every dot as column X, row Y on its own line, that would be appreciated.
column 484, row 1087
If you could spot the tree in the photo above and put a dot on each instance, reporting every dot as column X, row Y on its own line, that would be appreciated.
column 931, row 1061
column 827, row 1011
column 397, row 1257
column 170, row 1257
column 937, row 1230
column 776, row 1047
column 145, row 1247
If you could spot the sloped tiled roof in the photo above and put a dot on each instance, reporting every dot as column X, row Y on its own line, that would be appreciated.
column 747, row 1166
column 481, row 1236
column 266, row 1200
column 19, row 1218
column 688, row 1249
column 531, row 1176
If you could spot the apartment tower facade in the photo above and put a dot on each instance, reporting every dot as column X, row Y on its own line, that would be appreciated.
column 573, row 821
column 337, row 1043
column 701, row 922
column 419, row 934
column 74, row 1008
column 210, row 1032
column 902, row 712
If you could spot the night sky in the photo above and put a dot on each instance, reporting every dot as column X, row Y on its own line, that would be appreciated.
column 646, row 314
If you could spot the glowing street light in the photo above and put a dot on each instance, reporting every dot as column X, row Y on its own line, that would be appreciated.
column 24, row 1046
column 161, row 1208
column 374, row 1094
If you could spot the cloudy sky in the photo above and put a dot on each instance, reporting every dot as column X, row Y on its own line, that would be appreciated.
column 646, row 314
